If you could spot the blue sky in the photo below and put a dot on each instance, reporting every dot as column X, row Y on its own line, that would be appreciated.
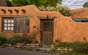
column 87, row 0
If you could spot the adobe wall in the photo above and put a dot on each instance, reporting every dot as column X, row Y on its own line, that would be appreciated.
column 65, row 28
column 80, row 13
column 68, row 30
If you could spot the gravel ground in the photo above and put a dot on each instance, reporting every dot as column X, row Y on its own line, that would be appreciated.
column 5, row 51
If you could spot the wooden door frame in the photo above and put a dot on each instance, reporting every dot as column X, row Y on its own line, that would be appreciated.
column 41, row 20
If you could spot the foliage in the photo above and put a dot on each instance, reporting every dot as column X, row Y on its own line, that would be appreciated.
column 30, row 49
column 8, row 3
column 26, row 38
column 75, row 53
column 85, row 39
column 3, row 39
column 37, row 2
column 54, row 50
column 58, row 40
column 62, row 9
column 36, row 41
column 53, row 43
column 85, row 5
column 80, row 47
column 33, row 35
column 64, row 44
column 21, row 2
column 37, row 49
column 15, row 39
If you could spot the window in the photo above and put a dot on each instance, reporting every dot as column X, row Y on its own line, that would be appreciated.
column 8, row 25
column 15, row 25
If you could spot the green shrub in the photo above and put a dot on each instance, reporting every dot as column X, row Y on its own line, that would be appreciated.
column 75, row 53
column 36, row 41
column 32, row 37
column 80, row 47
column 37, row 49
column 57, row 41
column 53, row 43
column 85, row 5
column 65, row 44
column 3, row 39
column 15, row 39
column 8, row 3
column 30, row 49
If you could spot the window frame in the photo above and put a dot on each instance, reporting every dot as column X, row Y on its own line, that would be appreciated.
column 3, row 23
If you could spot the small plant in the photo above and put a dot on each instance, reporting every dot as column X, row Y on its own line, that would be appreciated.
column 57, row 41
column 3, row 39
column 40, row 45
column 54, row 50
column 30, row 49
column 4, row 45
column 26, row 38
column 85, row 39
column 53, row 43
column 15, row 39
column 33, row 35
column 36, row 41
column 37, row 50
column 33, row 41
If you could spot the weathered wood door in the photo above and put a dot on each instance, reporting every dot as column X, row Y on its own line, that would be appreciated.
column 46, row 32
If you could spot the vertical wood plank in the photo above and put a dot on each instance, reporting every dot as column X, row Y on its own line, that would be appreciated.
column 19, row 25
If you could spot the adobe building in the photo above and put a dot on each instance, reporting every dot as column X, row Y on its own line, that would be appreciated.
column 49, row 26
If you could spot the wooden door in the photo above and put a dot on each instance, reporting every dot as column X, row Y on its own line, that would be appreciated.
column 46, row 32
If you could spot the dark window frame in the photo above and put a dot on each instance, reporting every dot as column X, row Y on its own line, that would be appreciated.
column 8, row 23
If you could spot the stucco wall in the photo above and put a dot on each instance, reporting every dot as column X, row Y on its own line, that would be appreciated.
column 65, row 28
column 80, row 13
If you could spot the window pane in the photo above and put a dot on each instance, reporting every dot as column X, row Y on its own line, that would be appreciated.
column 11, row 28
column 12, row 21
column 8, row 21
column 5, row 21
column 8, row 24
column 5, row 28
column 5, row 24
column 8, row 28
column 12, row 25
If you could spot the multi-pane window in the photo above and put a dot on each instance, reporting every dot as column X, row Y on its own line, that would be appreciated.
column 8, row 24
